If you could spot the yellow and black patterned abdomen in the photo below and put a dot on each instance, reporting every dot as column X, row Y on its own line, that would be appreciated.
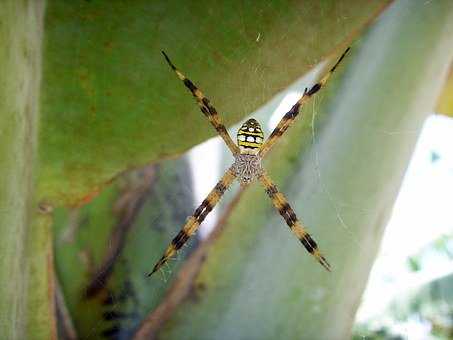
column 250, row 136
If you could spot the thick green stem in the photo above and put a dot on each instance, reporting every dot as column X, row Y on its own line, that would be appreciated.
column 21, row 25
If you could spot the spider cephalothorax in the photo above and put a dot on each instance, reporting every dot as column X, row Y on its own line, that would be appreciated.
column 248, row 152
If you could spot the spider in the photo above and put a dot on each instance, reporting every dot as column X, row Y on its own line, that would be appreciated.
column 248, row 153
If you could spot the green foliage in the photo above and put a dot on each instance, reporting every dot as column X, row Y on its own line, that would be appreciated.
column 111, row 103
column 414, row 264
column 429, row 302
column 104, row 249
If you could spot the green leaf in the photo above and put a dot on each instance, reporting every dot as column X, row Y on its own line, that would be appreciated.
column 111, row 103
column 104, row 249
column 258, row 282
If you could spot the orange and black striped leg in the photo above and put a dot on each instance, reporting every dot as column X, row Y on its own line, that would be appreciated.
column 291, row 115
column 195, row 220
column 208, row 110
column 281, row 204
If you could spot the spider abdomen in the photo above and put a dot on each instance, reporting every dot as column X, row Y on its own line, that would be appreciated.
column 247, row 167
column 250, row 137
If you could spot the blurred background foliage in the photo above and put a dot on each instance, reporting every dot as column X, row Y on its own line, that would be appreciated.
column 107, row 182
column 425, row 303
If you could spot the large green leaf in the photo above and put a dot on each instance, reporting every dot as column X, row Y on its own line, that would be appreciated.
column 105, row 248
column 111, row 103
column 256, row 281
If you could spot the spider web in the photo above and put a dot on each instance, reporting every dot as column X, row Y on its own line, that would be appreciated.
column 278, row 106
column 336, row 204
column 333, row 202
